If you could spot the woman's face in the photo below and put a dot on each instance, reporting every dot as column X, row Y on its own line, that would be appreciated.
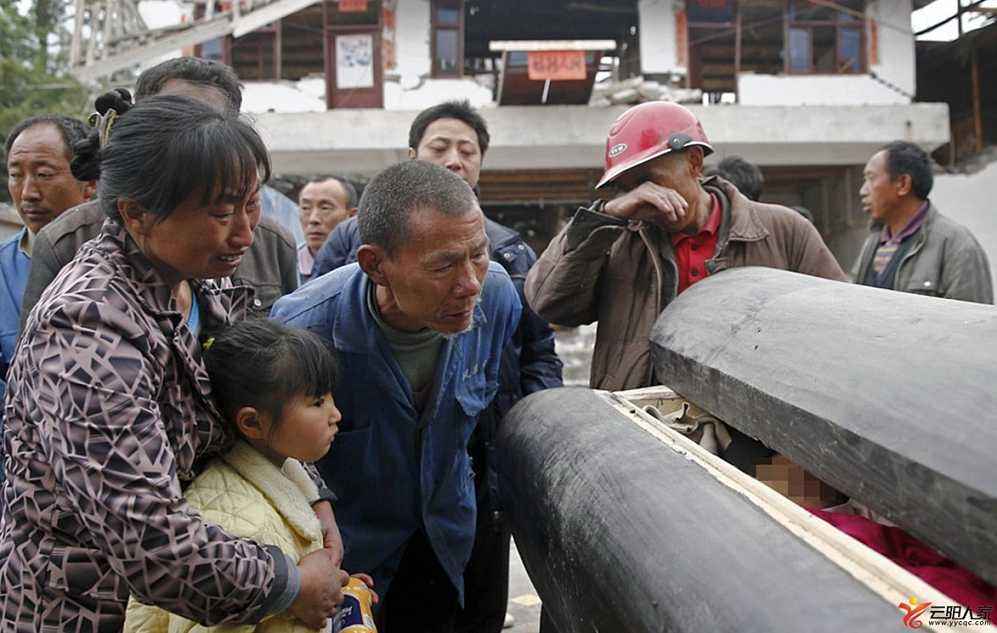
column 198, row 240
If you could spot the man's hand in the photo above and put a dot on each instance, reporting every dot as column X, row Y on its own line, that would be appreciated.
column 321, row 592
column 332, row 539
column 650, row 202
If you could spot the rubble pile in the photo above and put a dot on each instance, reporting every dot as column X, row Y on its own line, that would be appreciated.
column 638, row 90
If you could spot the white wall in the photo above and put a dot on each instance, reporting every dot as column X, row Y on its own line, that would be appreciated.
column 969, row 200
column 409, row 86
column 768, row 90
column 565, row 137
column 896, row 66
column 658, row 52
column 412, row 42
column 658, row 49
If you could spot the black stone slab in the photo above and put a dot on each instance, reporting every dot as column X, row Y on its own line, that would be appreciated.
column 890, row 397
column 620, row 533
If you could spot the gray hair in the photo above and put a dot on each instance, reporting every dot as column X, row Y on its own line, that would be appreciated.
column 394, row 195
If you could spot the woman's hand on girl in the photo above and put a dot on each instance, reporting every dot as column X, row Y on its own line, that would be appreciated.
column 321, row 592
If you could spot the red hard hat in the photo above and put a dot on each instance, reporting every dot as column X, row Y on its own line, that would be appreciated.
column 647, row 131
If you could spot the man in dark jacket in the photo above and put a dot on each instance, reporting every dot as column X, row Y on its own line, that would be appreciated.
column 917, row 249
column 453, row 135
column 270, row 265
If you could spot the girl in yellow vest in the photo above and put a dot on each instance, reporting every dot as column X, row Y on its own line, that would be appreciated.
column 273, row 385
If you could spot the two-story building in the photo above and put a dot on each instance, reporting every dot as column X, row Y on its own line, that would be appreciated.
column 807, row 89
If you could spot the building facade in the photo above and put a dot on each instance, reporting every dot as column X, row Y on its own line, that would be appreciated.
column 806, row 89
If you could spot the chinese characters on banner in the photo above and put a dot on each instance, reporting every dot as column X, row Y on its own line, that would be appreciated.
column 556, row 65
column 353, row 6
column 388, row 49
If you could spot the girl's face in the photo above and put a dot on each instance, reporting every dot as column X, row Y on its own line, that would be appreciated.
column 198, row 241
column 306, row 429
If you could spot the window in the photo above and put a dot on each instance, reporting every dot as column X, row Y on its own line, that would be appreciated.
column 447, row 37
column 825, row 40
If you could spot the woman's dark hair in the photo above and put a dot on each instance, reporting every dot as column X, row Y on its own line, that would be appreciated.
column 906, row 158
column 165, row 148
column 262, row 364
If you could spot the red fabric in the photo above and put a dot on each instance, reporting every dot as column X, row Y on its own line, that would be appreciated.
column 958, row 583
column 692, row 251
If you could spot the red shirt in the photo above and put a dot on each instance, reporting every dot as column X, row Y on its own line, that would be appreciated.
column 692, row 251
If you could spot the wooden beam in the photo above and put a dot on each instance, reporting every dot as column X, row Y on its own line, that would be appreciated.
column 624, row 525
column 278, row 50
column 887, row 396
column 552, row 45
column 977, row 111
column 837, row 7
column 737, row 45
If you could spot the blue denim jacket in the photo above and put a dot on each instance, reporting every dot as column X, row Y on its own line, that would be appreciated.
column 395, row 471
column 14, row 268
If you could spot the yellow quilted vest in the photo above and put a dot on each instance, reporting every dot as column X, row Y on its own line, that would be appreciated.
column 248, row 496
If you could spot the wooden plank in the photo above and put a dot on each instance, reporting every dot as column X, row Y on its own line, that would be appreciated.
column 552, row 45
column 977, row 113
column 887, row 396
column 624, row 526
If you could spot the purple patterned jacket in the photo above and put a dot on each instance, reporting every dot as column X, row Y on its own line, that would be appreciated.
column 108, row 411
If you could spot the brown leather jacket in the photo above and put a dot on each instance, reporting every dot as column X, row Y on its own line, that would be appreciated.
column 599, row 268
column 270, row 267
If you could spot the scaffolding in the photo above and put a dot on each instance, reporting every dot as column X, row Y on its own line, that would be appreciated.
column 110, row 35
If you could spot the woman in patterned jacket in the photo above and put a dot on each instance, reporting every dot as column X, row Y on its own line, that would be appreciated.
column 109, row 409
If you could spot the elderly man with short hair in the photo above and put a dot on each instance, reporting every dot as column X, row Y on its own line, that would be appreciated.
column 39, row 150
column 917, row 249
column 454, row 135
column 419, row 324
column 324, row 203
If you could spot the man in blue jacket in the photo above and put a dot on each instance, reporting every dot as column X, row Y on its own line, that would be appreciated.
column 42, row 187
column 454, row 135
column 419, row 324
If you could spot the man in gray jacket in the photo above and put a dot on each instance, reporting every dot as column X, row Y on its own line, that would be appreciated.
column 917, row 249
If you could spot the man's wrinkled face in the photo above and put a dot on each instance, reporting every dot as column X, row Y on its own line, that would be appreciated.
column 323, row 205
column 452, row 144
column 39, row 179
column 879, row 191
column 436, row 277
column 676, row 170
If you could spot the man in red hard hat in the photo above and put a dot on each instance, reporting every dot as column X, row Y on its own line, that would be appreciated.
column 623, row 259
